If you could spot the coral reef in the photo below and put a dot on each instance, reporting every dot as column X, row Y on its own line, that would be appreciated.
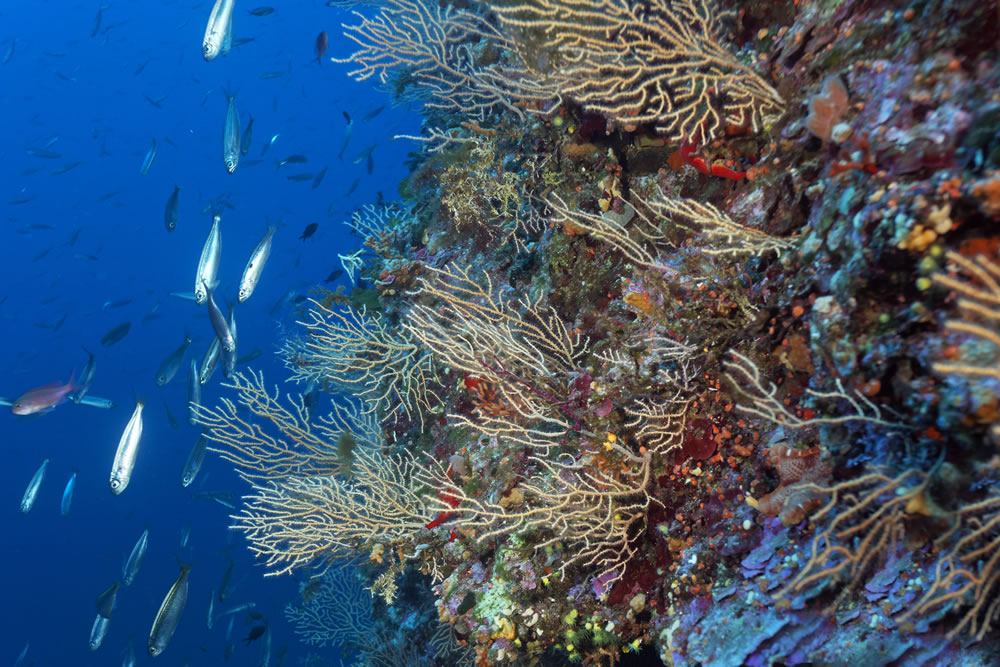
column 682, row 343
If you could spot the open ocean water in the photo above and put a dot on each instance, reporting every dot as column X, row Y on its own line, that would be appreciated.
column 86, row 88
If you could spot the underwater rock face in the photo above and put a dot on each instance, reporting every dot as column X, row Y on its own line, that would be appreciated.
column 695, row 356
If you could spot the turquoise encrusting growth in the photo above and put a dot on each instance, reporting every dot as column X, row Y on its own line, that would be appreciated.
column 682, row 340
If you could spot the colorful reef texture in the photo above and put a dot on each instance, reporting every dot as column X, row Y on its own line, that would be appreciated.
column 680, row 344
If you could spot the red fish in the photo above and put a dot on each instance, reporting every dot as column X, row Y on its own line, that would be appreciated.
column 43, row 399
column 321, row 43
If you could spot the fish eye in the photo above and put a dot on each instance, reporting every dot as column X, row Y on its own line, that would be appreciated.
column 115, row 484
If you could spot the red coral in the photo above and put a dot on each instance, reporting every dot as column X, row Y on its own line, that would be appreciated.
column 797, row 470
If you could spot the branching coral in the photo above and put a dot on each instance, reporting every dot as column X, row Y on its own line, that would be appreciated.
column 356, row 352
column 658, row 63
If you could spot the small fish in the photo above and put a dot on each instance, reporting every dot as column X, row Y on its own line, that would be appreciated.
column 86, row 377
column 211, row 611
column 374, row 112
column 363, row 155
column 269, row 144
column 238, row 608
column 219, row 22
column 229, row 356
column 292, row 159
column 67, row 496
column 117, row 303
column 187, row 296
column 69, row 166
column 319, row 178
column 128, row 449
column 147, row 161
column 106, row 600
column 227, row 578
column 348, row 131
column 194, row 393
column 168, row 369
column 256, row 632
column 336, row 273
column 219, row 324
column 354, row 186
column 134, row 561
column 209, row 361
column 42, row 153
column 208, row 264
column 265, row 76
column 9, row 53
column 243, row 40
column 42, row 399
column 21, row 656
column 140, row 68
column 98, row 632
column 169, row 614
column 156, row 101
column 170, row 416
column 194, row 460
column 307, row 176
column 96, row 402
column 97, row 22
column 20, row 200
column 255, row 265
column 245, row 139
column 309, row 230
column 253, row 354
column 261, row 11
column 31, row 492
column 170, row 211
column 321, row 43
column 231, row 135
column 116, row 334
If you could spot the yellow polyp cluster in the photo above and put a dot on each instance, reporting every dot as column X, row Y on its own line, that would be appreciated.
column 641, row 301
column 609, row 441
column 505, row 629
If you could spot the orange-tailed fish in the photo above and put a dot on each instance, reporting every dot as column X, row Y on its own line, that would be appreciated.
column 43, row 399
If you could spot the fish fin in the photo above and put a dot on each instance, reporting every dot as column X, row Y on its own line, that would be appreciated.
column 140, row 401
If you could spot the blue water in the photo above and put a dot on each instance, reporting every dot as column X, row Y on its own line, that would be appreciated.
column 67, row 92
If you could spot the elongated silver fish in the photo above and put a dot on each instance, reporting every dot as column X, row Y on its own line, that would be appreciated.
column 229, row 356
column 147, row 161
column 210, row 621
column 194, row 461
column 238, row 608
column 170, row 211
column 128, row 659
column 97, row 402
column 194, row 393
column 208, row 265
column 128, row 449
column 255, row 265
column 67, row 496
column 219, row 324
column 219, row 22
column 245, row 139
column 210, row 361
column 168, row 369
column 169, row 615
column 86, row 378
column 231, row 135
column 31, row 492
column 98, row 632
column 134, row 562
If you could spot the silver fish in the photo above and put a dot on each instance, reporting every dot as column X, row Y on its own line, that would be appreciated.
column 218, row 26
column 245, row 139
column 147, row 161
column 67, row 497
column 170, row 211
column 169, row 614
column 229, row 356
column 96, row 402
column 98, row 632
column 194, row 461
column 187, row 296
column 134, row 561
column 168, row 369
column 210, row 361
column 238, row 608
column 86, row 377
column 208, row 265
column 128, row 449
column 231, row 135
column 211, row 611
column 128, row 659
column 194, row 393
column 219, row 324
column 31, row 492
column 255, row 265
